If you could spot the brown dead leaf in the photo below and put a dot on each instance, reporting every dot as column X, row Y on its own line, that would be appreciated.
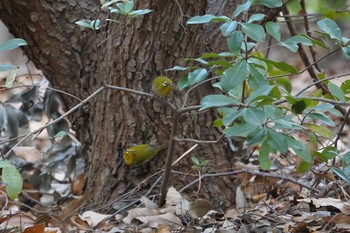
column 139, row 212
column 29, row 154
column 337, row 203
column 163, row 229
column 258, row 197
column 38, row 228
column 240, row 199
column 80, row 223
column 199, row 208
column 26, row 219
column 70, row 207
column 169, row 219
column 175, row 202
column 78, row 185
column 93, row 218
column 148, row 203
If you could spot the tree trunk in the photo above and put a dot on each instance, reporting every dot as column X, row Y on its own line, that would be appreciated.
column 79, row 61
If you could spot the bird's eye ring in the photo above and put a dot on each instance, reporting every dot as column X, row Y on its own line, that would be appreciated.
column 165, row 84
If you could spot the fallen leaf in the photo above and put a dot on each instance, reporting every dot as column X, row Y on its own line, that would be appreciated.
column 39, row 228
column 148, row 203
column 337, row 203
column 175, row 202
column 139, row 212
column 29, row 154
column 169, row 219
column 199, row 208
column 94, row 218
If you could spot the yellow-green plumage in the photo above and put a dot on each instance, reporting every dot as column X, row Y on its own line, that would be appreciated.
column 137, row 155
column 162, row 86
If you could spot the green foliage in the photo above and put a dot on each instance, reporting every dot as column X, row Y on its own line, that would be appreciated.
column 197, row 163
column 258, row 106
column 12, row 178
column 9, row 45
column 124, row 8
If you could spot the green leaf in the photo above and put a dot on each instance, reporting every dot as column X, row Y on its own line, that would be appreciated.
column 235, row 41
column 253, row 116
column 13, row 180
column 228, row 27
column 242, row 7
column 95, row 24
column 346, row 87
column 210, row 101
column 183, row 83
column 256, row 137
column 5, row 163
column 60, row 134
column 285, row 82
column 256, row 17
column 313, row 140
column 240, row 130
column 109, row 3
column 223, row 63
column 231, row 117
column 254, row 31
column 256, row 79
column 140, row 12
column 274, row 30
column 285, row 123
column 280, row 65
column 330, row 152
column 278, row 141
column 336, row 91
column 126, row 6
column 10, row 78
column 12, row 44
column 181, row 68
column 7, row 67
column 341, row 174
column 320, row 156
column 300, row 149
column 84, row 24
column 303, row 167
column 346, row 158
column 206, row 19
column 322, row 117
column 264, row 159
column 218, row 123
column 234, row 76
column 197, row 76
column 292, row 43
column 346, row 52
column 320, row 130
column 331, row 28
column 269, row 3
column 298, row 107
column 195, row 160
column 263, row 90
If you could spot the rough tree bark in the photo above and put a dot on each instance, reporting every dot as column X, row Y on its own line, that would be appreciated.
column 128, row 56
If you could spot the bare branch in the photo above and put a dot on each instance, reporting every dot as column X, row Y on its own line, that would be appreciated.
column 256, row 173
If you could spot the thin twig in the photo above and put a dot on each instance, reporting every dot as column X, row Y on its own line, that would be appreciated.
column 303, row 55
column 195, row 86
column 256, row 173
column 142, row 93
column 319, row 81
column 334, row 102
column 199, row 141
column 308, row 32
column 341, row 128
